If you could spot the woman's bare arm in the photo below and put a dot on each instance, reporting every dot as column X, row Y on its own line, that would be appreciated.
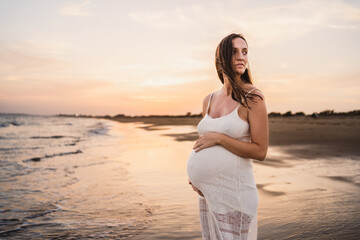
column 205, row 104
column 259, row 132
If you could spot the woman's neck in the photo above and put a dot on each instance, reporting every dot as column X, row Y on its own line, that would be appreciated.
column 227, row 87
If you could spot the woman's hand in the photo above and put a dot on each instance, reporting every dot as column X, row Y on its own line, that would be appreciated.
column 195, row 189
column 206, row 140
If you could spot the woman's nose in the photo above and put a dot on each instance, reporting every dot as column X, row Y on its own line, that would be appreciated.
column 239, row 56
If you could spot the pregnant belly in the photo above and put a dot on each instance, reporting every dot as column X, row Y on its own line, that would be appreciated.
column 210, row 163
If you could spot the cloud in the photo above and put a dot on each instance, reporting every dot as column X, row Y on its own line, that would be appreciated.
column 266, row 24
column 20, row 86
column 284, row 65
column 173, row 19
column 169, row 81
column 75, row 9
column 14, row 61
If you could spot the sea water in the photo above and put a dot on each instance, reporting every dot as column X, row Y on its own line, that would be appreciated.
column 63, row 178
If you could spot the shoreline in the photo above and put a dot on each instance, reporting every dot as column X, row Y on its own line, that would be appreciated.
column 303, row 136
column 298, row 197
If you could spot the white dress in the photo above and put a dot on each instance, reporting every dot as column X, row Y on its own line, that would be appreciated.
column 228, row 209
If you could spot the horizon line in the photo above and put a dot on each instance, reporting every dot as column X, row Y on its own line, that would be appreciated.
column 188, row 114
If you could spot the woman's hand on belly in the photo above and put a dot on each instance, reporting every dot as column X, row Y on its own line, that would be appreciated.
column 206, row 140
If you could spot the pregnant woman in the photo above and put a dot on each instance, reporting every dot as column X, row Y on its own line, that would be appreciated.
column 234, row 131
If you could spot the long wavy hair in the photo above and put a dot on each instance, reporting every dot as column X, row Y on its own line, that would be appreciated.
column 224, row 65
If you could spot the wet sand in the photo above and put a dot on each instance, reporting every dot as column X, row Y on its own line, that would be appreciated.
column 327, row 136
column 308, row 185
column 157, row 166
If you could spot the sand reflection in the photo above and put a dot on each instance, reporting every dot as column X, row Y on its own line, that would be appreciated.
column 298, row 196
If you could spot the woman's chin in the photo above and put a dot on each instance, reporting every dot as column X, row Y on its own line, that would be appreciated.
column 240, row 71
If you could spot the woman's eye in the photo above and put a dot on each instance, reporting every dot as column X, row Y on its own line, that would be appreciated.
column 245, row 52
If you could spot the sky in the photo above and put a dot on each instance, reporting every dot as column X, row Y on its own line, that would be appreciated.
column 157, row 57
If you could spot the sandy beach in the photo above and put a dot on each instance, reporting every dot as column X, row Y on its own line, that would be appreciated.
column 328, row 136
column 308, row 185
column 126, row 178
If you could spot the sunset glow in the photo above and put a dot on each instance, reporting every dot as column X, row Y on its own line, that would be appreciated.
column 157, row 57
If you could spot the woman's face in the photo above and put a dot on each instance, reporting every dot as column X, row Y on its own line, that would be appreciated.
column 239, row 57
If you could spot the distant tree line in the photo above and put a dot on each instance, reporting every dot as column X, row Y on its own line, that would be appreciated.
column 190, row 115
column 315, row 114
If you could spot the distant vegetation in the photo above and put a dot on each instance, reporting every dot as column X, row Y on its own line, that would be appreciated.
column 315, row 114
column 187, row 115
column 190, row 115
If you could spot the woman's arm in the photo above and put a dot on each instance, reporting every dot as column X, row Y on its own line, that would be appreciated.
column 205, row 104
column 259, row 132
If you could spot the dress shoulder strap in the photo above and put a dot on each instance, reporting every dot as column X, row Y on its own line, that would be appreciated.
column 250, row 92
column 207, row 109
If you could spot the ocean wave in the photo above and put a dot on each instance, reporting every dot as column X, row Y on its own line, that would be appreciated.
column 17, row 148
column 99, row 129
column 11, row 170
column 73, row 143
column 10, row 225
column 38, row 159
column 46, row 137
column 9, row 123
column 42, row 213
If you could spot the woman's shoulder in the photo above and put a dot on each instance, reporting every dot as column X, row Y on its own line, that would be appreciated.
column 249, row 88
column 207, row 97
column 206, row 102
